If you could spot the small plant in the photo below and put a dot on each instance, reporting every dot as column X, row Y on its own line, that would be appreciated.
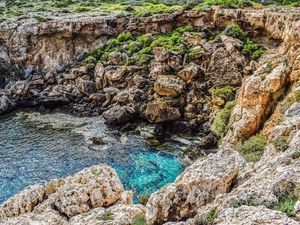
column 107, row 216
column 223, row 92
column 140, row 220
column 235, row 31
column 281, row 143
column 253, row 50
column 207, row 219
column 220, row 123
column 296, row 155
column 253, row 148
column 286, row 204
column 143, row 199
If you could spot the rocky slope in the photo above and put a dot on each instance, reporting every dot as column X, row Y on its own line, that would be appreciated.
column 222, row 188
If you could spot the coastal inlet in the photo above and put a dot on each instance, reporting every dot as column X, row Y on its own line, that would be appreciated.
column 35, row 148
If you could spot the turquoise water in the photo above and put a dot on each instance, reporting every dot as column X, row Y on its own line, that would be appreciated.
column 36, row 148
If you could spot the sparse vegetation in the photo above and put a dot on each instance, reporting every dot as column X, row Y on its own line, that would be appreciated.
column 207, row 219
column 296, row 155
column 281, row 143
column 220, row 123
column 107, row 216
column 140, row 220
column 253, row 148
column 286, row 204
column 253, row 50
column 143, row 199
column 223, row 92
column 236, row 203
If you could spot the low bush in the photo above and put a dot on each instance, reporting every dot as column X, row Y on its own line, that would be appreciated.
column 206, row 219
column 143, row 199
column 253, row 50
column 220, row 123
column 223, row 92
column 107, row 216
column 286, row 204
column 281, row 143
column 253, row 148
column 140, row 220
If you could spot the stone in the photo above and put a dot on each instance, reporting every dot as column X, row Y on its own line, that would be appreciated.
column 168, row 85
column 117, row 58
column 118, row 115
column 98, row 97
column 6, row 104
column 190, row 72
column 199, row 184
column 158, row 112
column 245, row 215
column 175, row 61
column 86, row 87
column 161, row 54
column 192, row 38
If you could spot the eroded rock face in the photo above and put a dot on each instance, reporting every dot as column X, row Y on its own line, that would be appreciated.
column 98, row 186
column 249, row 214
column 196, row 186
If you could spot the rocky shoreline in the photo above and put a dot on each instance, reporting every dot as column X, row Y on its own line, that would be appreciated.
column 173, row 92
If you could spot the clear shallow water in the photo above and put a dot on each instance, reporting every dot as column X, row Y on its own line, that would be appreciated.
column 36, row 148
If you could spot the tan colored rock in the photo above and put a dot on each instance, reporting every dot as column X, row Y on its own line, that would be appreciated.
column 168, row 85
column 117, row 58
column 246, row 215
column 192, row 38
column 196, row 186
column 120, row 214
column 157, row 112
column 190, row 72
column 161, row 54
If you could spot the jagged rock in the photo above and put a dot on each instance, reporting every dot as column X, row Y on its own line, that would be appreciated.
column 190, row 72
column 196, row 186
column 98, row 97
column 6, row 104
column 192, row 38
column 23, row 202
column 252, row 215
column 158, row 112
column 117, row 58
column 175, row 61
column 168, row 85
column 86, row 87
column 161, row 54
column 20, row 88
column 119, row 115
column 120, row 214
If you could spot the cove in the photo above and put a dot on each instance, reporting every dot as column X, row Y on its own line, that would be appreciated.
column 36, row 148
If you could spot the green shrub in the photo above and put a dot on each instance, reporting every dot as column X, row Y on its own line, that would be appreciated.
column 281, row 143
column 140, row 220
column 206, row 219
column 125, row 37
column 143, row 199
column 286, row 204
column 107, row 216
column 229, row 3
column 296, row 155
column 252, row 49
column 253, row 148
column 223, row 92
column 220, row 123
column 235, row 31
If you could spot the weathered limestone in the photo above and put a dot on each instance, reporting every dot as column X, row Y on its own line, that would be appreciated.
column 196, row 186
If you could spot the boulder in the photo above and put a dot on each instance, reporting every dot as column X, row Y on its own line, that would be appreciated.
column 190, row 72
column 245, row 215
column 192, row 38
column 98, row 97
column 168, row 85
column 161, row 54
column 158, row 112
column 196, row 186
column 117, row 58
column 175, row 61
column 118, row 115
column 6, row 104
column 86, row 87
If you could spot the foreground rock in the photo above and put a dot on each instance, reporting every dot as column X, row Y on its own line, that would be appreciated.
column 196, row 186
column 97, row 188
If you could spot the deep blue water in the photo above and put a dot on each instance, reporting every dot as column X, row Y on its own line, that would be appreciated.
column 34, row 152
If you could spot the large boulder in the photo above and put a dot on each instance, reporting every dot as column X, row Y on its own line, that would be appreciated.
column 168, row 85
column 158, row 112
column 118, row 115
column 196, row 186
column 190, row 72
column 86, row 87
column 6, row 104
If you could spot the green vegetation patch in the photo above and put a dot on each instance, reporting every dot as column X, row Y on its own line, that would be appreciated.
column 207, row 219
column 143, row 199
column 253, row 148
column 107, row 216
column 220, row 123
column 139, row 48
column 286, row 204
column 281, row 143
column 140, row 220
column 223, row 92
